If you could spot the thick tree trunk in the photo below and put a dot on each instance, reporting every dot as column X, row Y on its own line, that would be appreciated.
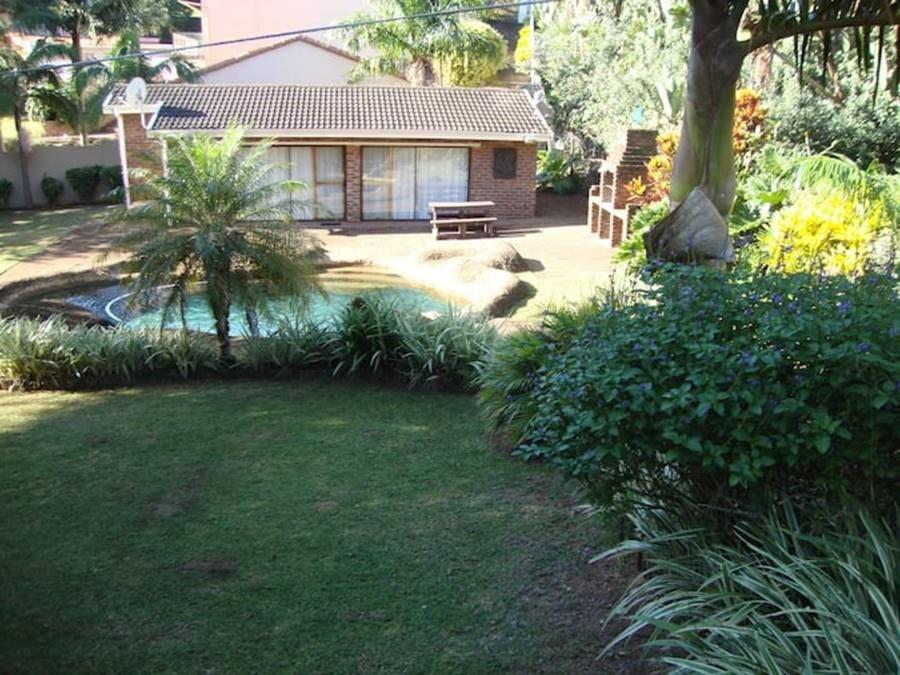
column 27, row 196
column 705, row 159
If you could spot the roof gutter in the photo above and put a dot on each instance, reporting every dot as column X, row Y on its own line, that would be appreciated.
column 371, row 134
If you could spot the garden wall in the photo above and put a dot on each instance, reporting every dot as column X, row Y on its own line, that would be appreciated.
column 50, row 160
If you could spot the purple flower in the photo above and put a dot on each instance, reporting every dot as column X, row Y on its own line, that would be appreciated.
column 645, row 387
column 844, row 307
column 776, row 298
column 863, row 347
column 637, row 346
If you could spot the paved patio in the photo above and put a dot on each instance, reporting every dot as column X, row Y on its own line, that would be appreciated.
column 566, row 263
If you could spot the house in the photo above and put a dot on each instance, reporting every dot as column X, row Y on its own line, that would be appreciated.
column 365, row 153
column 297, row 60
column 225, row 20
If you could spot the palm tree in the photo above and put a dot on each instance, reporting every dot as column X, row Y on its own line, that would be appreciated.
column 723, row 34
column 413, row 47
column 217, row 217
column 76, row 98
column 123, row 70
column 20, row 74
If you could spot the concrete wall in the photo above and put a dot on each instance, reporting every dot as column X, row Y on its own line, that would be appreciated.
column 48, row 160
column 229, row 19
column 293, row 63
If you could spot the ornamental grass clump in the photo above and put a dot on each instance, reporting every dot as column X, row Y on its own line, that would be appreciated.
column 779, row 597
column 52, row 355
column 720, row 389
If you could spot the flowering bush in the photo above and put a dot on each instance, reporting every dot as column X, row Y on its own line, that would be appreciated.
column 724, row 389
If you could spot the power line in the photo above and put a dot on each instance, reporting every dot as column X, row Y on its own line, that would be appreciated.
column 283, row 34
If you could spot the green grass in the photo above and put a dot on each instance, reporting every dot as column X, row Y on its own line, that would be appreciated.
column 26, row 233
column 281, row 527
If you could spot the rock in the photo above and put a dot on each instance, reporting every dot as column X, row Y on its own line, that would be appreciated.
column 478, row 274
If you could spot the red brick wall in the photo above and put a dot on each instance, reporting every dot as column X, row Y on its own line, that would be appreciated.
column 140, row 151
column 514, row 197
column 353, row 183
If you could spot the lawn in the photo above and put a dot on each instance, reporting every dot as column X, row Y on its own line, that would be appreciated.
column 300, row 526
column 26, row 233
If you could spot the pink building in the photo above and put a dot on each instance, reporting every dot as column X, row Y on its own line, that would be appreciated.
column 230, row 19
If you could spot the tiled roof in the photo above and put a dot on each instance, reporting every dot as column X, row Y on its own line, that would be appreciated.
column 359, row 110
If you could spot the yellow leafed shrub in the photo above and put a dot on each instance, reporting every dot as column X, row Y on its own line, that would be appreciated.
column 821, row 232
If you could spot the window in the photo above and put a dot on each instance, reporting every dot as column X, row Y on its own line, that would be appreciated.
column 399, row 182
column 321, row 169
column 505, row 160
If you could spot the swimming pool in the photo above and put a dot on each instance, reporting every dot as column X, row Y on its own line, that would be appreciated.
column 342, row 286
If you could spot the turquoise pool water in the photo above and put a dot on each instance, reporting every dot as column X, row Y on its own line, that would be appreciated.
column 342, row 286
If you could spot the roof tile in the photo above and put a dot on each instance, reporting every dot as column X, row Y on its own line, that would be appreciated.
column 297, row 108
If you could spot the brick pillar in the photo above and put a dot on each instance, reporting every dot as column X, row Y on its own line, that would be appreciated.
column 353, row 182
column 141, row 152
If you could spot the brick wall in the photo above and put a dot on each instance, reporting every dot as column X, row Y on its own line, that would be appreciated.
column 140, row 151
column 353, row 183
column 514, row 197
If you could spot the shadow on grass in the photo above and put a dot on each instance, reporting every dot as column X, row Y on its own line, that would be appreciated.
column 314, row 526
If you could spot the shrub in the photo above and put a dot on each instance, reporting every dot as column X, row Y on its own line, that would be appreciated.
column 558, row 171
column 826, row 232
column 6, row 190
column 725, row 388
column 112, row 176
column 477, row 63
column 776, row 600
column 52, row 189
column 383, row 339
column 84, row 181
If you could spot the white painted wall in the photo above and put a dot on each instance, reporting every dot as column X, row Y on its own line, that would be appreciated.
column 229, row 19
column 48, row 160
column 292, row 63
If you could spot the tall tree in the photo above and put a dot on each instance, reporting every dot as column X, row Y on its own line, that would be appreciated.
column 20, row 74
column 218, row 216
column 414, row 47
column 723, row 34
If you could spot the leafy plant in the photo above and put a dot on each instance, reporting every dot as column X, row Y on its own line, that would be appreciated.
column 557, row 170
column 722, row 388
column 776, row 598
column 821, row 232
column 473, row 68
column 84, row 181
column 51, row 355
column 112, row 176
column 52, row 189
column 631, row 251
column 6, row 190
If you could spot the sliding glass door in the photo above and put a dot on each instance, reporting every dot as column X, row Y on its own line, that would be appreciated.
column 399, row 182
column 321, row 170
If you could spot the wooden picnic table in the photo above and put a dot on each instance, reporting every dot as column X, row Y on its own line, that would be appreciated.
column 458, row 217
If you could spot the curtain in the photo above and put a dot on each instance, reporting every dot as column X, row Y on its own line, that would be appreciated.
column 329, row 182
column 442, row 175
column 302, row 170
column 399, row 182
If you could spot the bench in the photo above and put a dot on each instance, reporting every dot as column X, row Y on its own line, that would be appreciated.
column 459, row 217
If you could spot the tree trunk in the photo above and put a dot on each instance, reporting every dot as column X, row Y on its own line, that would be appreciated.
column 252, row 318
column 705, row 159
column 77, row 56
column 219, row 298
column 421, row 73
column 23, row 157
